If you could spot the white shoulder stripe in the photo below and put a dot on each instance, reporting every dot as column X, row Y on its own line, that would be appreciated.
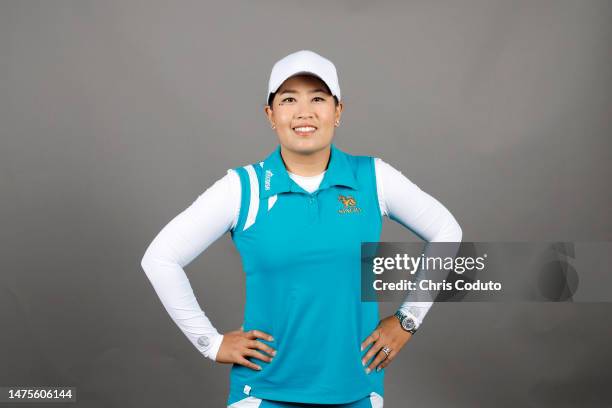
column 254, row 205
column 271, row 201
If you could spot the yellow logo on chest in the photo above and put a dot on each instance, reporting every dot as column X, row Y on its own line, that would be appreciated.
column 349, row 205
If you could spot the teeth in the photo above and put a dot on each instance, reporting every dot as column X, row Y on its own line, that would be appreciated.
column 305, row 129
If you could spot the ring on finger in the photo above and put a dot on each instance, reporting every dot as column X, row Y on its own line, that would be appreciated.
column 386, row 350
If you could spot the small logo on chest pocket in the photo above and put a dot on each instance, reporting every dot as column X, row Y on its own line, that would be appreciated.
column 349, row 205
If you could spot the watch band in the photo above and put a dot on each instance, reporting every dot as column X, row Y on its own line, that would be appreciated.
column 408, row 323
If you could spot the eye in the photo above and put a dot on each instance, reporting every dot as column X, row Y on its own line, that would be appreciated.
column 318, row 97
column 287, row 99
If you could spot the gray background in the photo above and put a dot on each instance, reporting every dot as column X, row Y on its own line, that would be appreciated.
column 116, row 115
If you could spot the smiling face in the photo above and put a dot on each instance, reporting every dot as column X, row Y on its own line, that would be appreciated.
column 304, row 114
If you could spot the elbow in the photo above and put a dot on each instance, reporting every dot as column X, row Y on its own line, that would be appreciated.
column 458, row 233
column 454, row 232
column 145, row 263
column 150, row 266
column 155, row 259
column 450, row 233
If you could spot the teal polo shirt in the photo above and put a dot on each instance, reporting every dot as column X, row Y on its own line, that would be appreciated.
column 300, row 253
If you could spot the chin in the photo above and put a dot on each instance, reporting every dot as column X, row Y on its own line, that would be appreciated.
column 307, row 146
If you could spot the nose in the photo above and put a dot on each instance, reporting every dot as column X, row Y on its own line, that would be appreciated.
column 304, row 111
column 304, row 115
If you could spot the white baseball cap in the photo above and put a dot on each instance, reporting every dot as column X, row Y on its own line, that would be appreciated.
column 304, row 62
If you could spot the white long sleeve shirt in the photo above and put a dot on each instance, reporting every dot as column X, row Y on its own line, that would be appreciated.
column 215, row 212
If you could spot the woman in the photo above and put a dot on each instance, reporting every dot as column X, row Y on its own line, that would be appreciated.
column 297, row 219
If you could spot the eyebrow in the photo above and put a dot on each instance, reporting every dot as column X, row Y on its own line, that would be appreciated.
column 294, row 91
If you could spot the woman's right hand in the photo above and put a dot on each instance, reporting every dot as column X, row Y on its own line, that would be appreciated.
column 238, row 344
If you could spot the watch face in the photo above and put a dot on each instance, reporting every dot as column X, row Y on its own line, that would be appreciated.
column 408, row 324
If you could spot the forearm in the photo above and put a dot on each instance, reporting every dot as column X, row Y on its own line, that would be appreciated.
column 176, row 295
column 186, row 236
column 404, row 202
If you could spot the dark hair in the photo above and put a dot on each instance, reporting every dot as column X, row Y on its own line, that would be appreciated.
column 271, row 97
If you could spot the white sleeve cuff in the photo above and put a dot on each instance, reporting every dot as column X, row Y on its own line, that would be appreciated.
column 416, row 310
column 209, row 345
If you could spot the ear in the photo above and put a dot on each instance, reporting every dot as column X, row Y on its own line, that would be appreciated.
column 269, row 114
column 339, row 110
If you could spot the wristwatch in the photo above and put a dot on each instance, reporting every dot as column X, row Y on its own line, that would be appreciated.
column 407, row 322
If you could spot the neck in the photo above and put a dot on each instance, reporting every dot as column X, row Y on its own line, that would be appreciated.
column 306, row 164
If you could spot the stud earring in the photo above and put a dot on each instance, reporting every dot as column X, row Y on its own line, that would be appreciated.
column 337, row 123
column 273, row 126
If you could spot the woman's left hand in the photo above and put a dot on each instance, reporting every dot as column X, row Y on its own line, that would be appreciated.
column 389, row 333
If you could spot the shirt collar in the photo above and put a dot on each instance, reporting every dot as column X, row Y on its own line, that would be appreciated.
column 276, row 180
